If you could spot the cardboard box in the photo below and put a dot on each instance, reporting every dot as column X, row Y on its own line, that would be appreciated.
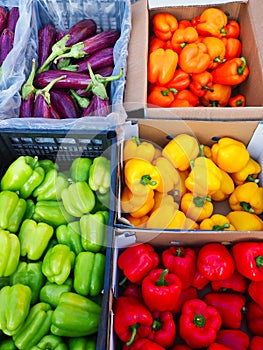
column 206, row 132
column 248, row 15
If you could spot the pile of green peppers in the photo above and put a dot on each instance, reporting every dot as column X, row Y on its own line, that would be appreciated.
column 53, row 237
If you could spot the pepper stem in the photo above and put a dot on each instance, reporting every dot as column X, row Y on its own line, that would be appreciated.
column 205, row 87
column 161, row 282
column 259, row 261
column 200, row 201
column 251, row 179
column 240, row 69
column 166, row 92
column 199, row 320
column 133, row 329
column 157, row 324
column 137, row 140
column 247, row 207
column 220, row 227
column 146, row 180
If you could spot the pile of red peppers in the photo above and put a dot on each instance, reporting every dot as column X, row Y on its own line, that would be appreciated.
column 208, row 297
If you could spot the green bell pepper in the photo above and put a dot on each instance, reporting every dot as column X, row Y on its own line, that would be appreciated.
column 79, row 169
column 47, row 164
column 30, row 209
column 52, row 213
column 89, row 273
column 51, row 292
column 18, row 173
column 93, row 229
column 29, row 274
column 100, row 174
column 70, row 235
column 35, row 327
column 78, row 198
column 14, row 307
column 34, row 238
column 57, row 263
column 7, row 344
column 51, row 187
column 102, row 202
column 50, row 342
column 82, row 343
column 75, row 316
column 9, row 253
column 32, row 183
column 12, row 211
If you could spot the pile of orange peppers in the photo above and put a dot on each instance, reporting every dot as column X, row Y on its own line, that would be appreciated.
column 179, row 185
column 197, row 62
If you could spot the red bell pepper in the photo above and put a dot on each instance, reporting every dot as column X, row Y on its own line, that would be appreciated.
column 248, row 258
column 182, row 262
column 186, row 294
column 235, row 283
column 255, row 291
column 199, row 323
column 217, row 346
column 132, row 320
column 181, row 347
column 256, row 343
column 236, row 339
column 232, row 29
column 231, row 307
column 145, row 344
column 137, row 261
column 180, row 80
column 163, row 329
column 254, row 318
column 238, row 100
column 199, row 281
column 201, row 82
column 134, row 290
column 233, row 48
column 215, row 262
column 161, row 290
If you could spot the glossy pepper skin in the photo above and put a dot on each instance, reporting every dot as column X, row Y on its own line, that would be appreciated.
column 29, row 274
column 254, row 318
column 248, row 173
column 186, row 294
column 51, row 292
column 35, row 327
column 199, row 323
column 196, row 207
column 194, row 58
column 182, row 37
column 34, row 238
column 161, row 290
column 248, row 257
column 231, row 307
column 200, row 82
column 82, row 343
column 9, row 254
column 100, row 175
column 164, row 25
column 216, row 222
column 137, row 206
column 233, row 48
column 234, row 338
column 12, row 211
column 15, row 304
column 235, row 283
column 132, row 319
column 161, row 96
column 79, row 169
column 163, row 329
column 145, row 344
column 161, row 66
column 215, row 262
column 136, row 261
column 180, row 80
column 169, row 175
column 135, row 148
column 237, row 101
column 256, row 343
column 226, row 188
column 212, row 21
column 245, row 221
column 247, row 197
column 255, row 291
column 231, row 72
column 70, row 235
column 216, row 50
column 51, row 342
column 57, row 263
column 182, row 262
column 217, row 96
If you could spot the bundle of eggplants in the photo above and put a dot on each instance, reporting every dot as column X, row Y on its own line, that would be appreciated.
column 8, row 21
column 72, row 74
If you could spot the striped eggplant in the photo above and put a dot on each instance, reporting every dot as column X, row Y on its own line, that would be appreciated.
column 6, row 43
column 97, row 107
column 64, row 104
column 12, row 18
column 81, row 31
column 72, row 80
column 46, row 39
column 28, row 94
column 3, row 18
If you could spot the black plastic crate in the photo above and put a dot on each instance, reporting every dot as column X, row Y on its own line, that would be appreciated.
column 63, row 146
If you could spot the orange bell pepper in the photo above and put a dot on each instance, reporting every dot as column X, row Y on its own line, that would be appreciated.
column 232, row 29
column 212, row 21
column 134, row 148
column 218, row 96
column 232, row 72
column 180, row 80
column 238, row 100
column 161, row 96
column 216, row 50
column 194, row 58
column 217, row 222
column 183, row 36
column 195, row 207
column 248, row 173
column 136, row 205
column 164, row 24
column 233, row 48
column 185, row 95
column 201, row 82
column 161, row 66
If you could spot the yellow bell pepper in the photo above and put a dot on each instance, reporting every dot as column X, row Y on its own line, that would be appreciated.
column 136, row 206
column 230, row 155
column 217, row 222
column 167, row 216
column 247, row 197
column 140, row 176
column 195, row 207
column 138, row 222
column 245, row 221
column 134, row 148
column 190, row 224
column 157, row 153
column 169, row 175
column 181, row 150
column 226, row 188
column 248, row 173
column 161, row 198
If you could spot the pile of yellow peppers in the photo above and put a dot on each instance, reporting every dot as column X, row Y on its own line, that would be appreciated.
column 177, row 187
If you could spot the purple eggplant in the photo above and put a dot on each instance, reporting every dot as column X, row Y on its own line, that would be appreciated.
column 46, row 39
column 97, row 107
column 81, row 31
column 13, row 16
column 6, row 43
column 64, row 104
column 42, row 100
column 3, row 18
column 28, row 94
column 99, row 59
